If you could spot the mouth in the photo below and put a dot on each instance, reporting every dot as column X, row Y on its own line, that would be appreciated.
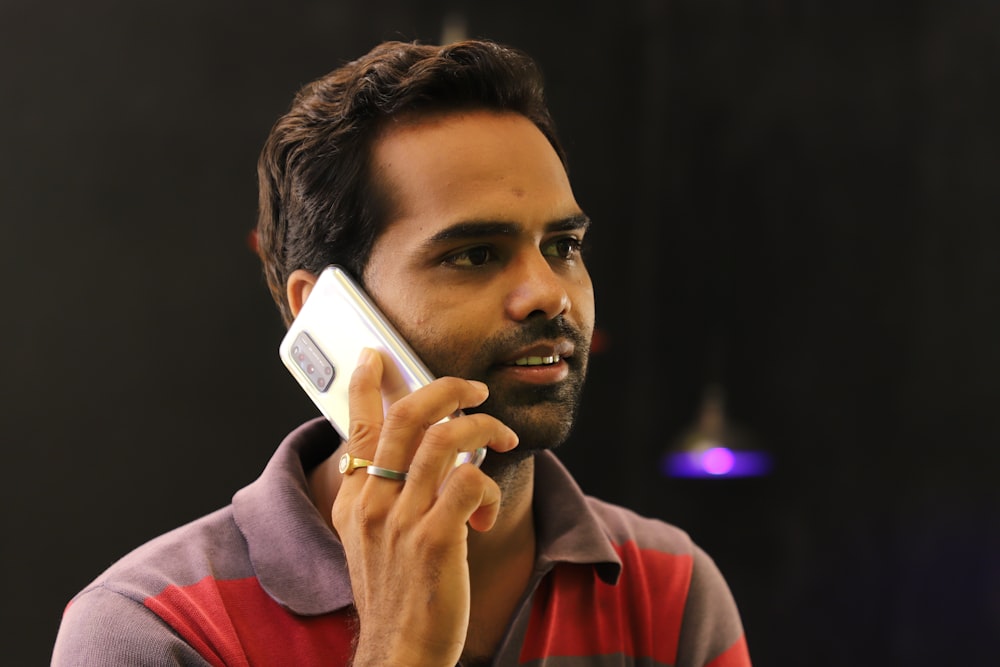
column 536, row 361
column 541, row 354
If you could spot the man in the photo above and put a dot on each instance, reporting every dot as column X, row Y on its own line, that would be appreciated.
column 435, row 176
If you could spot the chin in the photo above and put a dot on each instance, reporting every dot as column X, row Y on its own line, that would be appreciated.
column 541, row 416
column 499, row 464
column 534, row 434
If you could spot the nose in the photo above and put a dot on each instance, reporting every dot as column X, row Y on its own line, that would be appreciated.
column 536, row 288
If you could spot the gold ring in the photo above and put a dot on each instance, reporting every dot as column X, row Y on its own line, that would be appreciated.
column 349, row 464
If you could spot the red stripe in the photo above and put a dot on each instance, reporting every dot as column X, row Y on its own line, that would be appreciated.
column 577, row 614
column 235, row 622
column 736, row 655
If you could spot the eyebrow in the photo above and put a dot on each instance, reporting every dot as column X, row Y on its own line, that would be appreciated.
column 471, row 229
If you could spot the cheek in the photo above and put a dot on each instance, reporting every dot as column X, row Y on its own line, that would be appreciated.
column 413, row 324
column 430, row 329
column 443, row 328
column 446, row 350
column 583, row 303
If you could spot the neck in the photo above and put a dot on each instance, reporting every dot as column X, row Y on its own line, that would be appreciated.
column 514, row 531
column 500, row 563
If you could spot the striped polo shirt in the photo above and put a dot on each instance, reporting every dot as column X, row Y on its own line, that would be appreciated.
column 264, row 581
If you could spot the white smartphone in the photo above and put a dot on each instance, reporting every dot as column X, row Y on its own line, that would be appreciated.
column 323, row 344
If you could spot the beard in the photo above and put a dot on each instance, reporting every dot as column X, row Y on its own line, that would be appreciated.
column 541, row 415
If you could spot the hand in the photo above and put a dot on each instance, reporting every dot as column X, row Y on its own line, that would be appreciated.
column 406, row 541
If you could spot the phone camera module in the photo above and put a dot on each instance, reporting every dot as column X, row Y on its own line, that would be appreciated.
column 312, row 362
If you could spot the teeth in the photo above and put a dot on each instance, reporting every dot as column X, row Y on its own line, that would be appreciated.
column 536, row 361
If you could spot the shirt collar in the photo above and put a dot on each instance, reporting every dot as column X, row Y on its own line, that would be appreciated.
column 298, row 560
column 567, row 530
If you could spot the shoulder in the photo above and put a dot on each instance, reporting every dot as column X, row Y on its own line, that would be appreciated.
column 104, row 627
column 625, row 526
column 662, row 562
column 209, row 546
column 656, row 560
column 654, row 541
column 111, row 620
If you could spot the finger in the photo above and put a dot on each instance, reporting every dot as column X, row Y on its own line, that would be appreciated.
column 467, row 496
column 444, row 441
column 408, row 419
column 435, row 458
column 365, row 411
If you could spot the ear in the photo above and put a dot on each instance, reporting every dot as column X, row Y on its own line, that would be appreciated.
column 298, row 287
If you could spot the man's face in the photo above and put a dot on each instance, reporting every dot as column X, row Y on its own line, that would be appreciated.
column 480, row 266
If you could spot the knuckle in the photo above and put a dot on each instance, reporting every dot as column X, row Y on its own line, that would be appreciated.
column 363, row 432
column 432, row 549
column 340, row 515
column 440, row 436
column 359, row 515
column 465, row 485
column 401, row 412
column 454, row 384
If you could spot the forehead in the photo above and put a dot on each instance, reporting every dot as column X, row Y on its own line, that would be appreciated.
column 457, row 166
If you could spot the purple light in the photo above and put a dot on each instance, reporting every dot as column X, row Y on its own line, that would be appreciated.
column 716, row 462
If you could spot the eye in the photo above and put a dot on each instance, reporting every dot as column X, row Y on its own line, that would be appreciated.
column 564, row 247
column 475, row 256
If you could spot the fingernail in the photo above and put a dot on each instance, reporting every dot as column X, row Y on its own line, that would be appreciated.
column 365, row 356
column 481, row 384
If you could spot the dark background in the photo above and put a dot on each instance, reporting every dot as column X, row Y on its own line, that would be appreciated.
column 796, row 199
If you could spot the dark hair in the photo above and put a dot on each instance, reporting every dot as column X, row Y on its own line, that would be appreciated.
column 318, row 202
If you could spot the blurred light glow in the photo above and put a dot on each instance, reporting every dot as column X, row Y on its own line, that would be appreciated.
column 714, row 448
column 716, row 462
